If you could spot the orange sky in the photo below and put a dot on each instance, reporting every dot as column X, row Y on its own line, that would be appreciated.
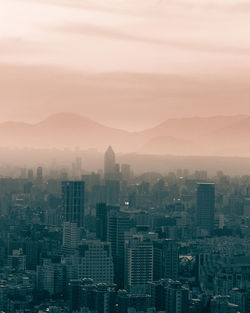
column 55, row 55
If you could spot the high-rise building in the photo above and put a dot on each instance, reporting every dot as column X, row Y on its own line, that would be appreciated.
column 125, row 171
column 77, row 167
column 95, row 261
column 39, row 174
column 30, row 174
column 166, row 259
column 205, row 206
column 73, row 201
column 118, row 225
column 109, row 164
column 75, row 295
column 46, row 277
column 50, row 277
column 31, row 250
column 112, row 192
column 101, row 221
column 138, row 264
column 71, row 236
column 98, row 194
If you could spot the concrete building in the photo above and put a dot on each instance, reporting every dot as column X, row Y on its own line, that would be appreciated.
column 94, row 260
column 206, row 206
column 138, row 264
column 73, row 201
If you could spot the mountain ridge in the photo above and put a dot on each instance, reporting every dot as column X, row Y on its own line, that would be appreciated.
column 201, row 135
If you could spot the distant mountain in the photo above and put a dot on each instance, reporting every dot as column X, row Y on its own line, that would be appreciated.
column 193, row 127
column 219, row 135
column 62, row 130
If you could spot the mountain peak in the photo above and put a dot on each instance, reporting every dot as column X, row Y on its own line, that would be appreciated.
column 65, row 117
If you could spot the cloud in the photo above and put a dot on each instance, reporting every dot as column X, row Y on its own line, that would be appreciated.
column 116, row 34
column 133, row 35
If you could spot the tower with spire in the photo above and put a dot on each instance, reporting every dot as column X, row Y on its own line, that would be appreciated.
column 109, row 164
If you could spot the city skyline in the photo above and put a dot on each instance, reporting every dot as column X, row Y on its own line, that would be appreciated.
column 124, row 156
column 176, row 242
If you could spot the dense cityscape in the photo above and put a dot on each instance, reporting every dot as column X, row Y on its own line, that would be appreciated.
column 124, row 156
column 112, row 241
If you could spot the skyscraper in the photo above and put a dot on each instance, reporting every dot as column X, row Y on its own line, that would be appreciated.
column 39, row 174
column 118, row 224
column 205, row 206
column 109, row 164
column 73, row 201
column 101, row 221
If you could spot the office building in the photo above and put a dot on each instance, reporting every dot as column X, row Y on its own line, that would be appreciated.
column 101, row 221
column 112, row 192
column 73, row 201
column 109, row 164
column 205, row 206
column 39, row 174
column 95, row 261
column 118, row 225
column 71, row 236
column 125, row 171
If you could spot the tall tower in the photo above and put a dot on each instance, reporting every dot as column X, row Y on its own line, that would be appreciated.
column 109, row 164
column 101, row 221
column 118, row 224
column 73, row 202
column 205, row 206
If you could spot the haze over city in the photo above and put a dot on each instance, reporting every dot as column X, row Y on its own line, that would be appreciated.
column 124, row 156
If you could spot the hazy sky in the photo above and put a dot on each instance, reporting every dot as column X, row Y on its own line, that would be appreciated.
column 168, row 58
